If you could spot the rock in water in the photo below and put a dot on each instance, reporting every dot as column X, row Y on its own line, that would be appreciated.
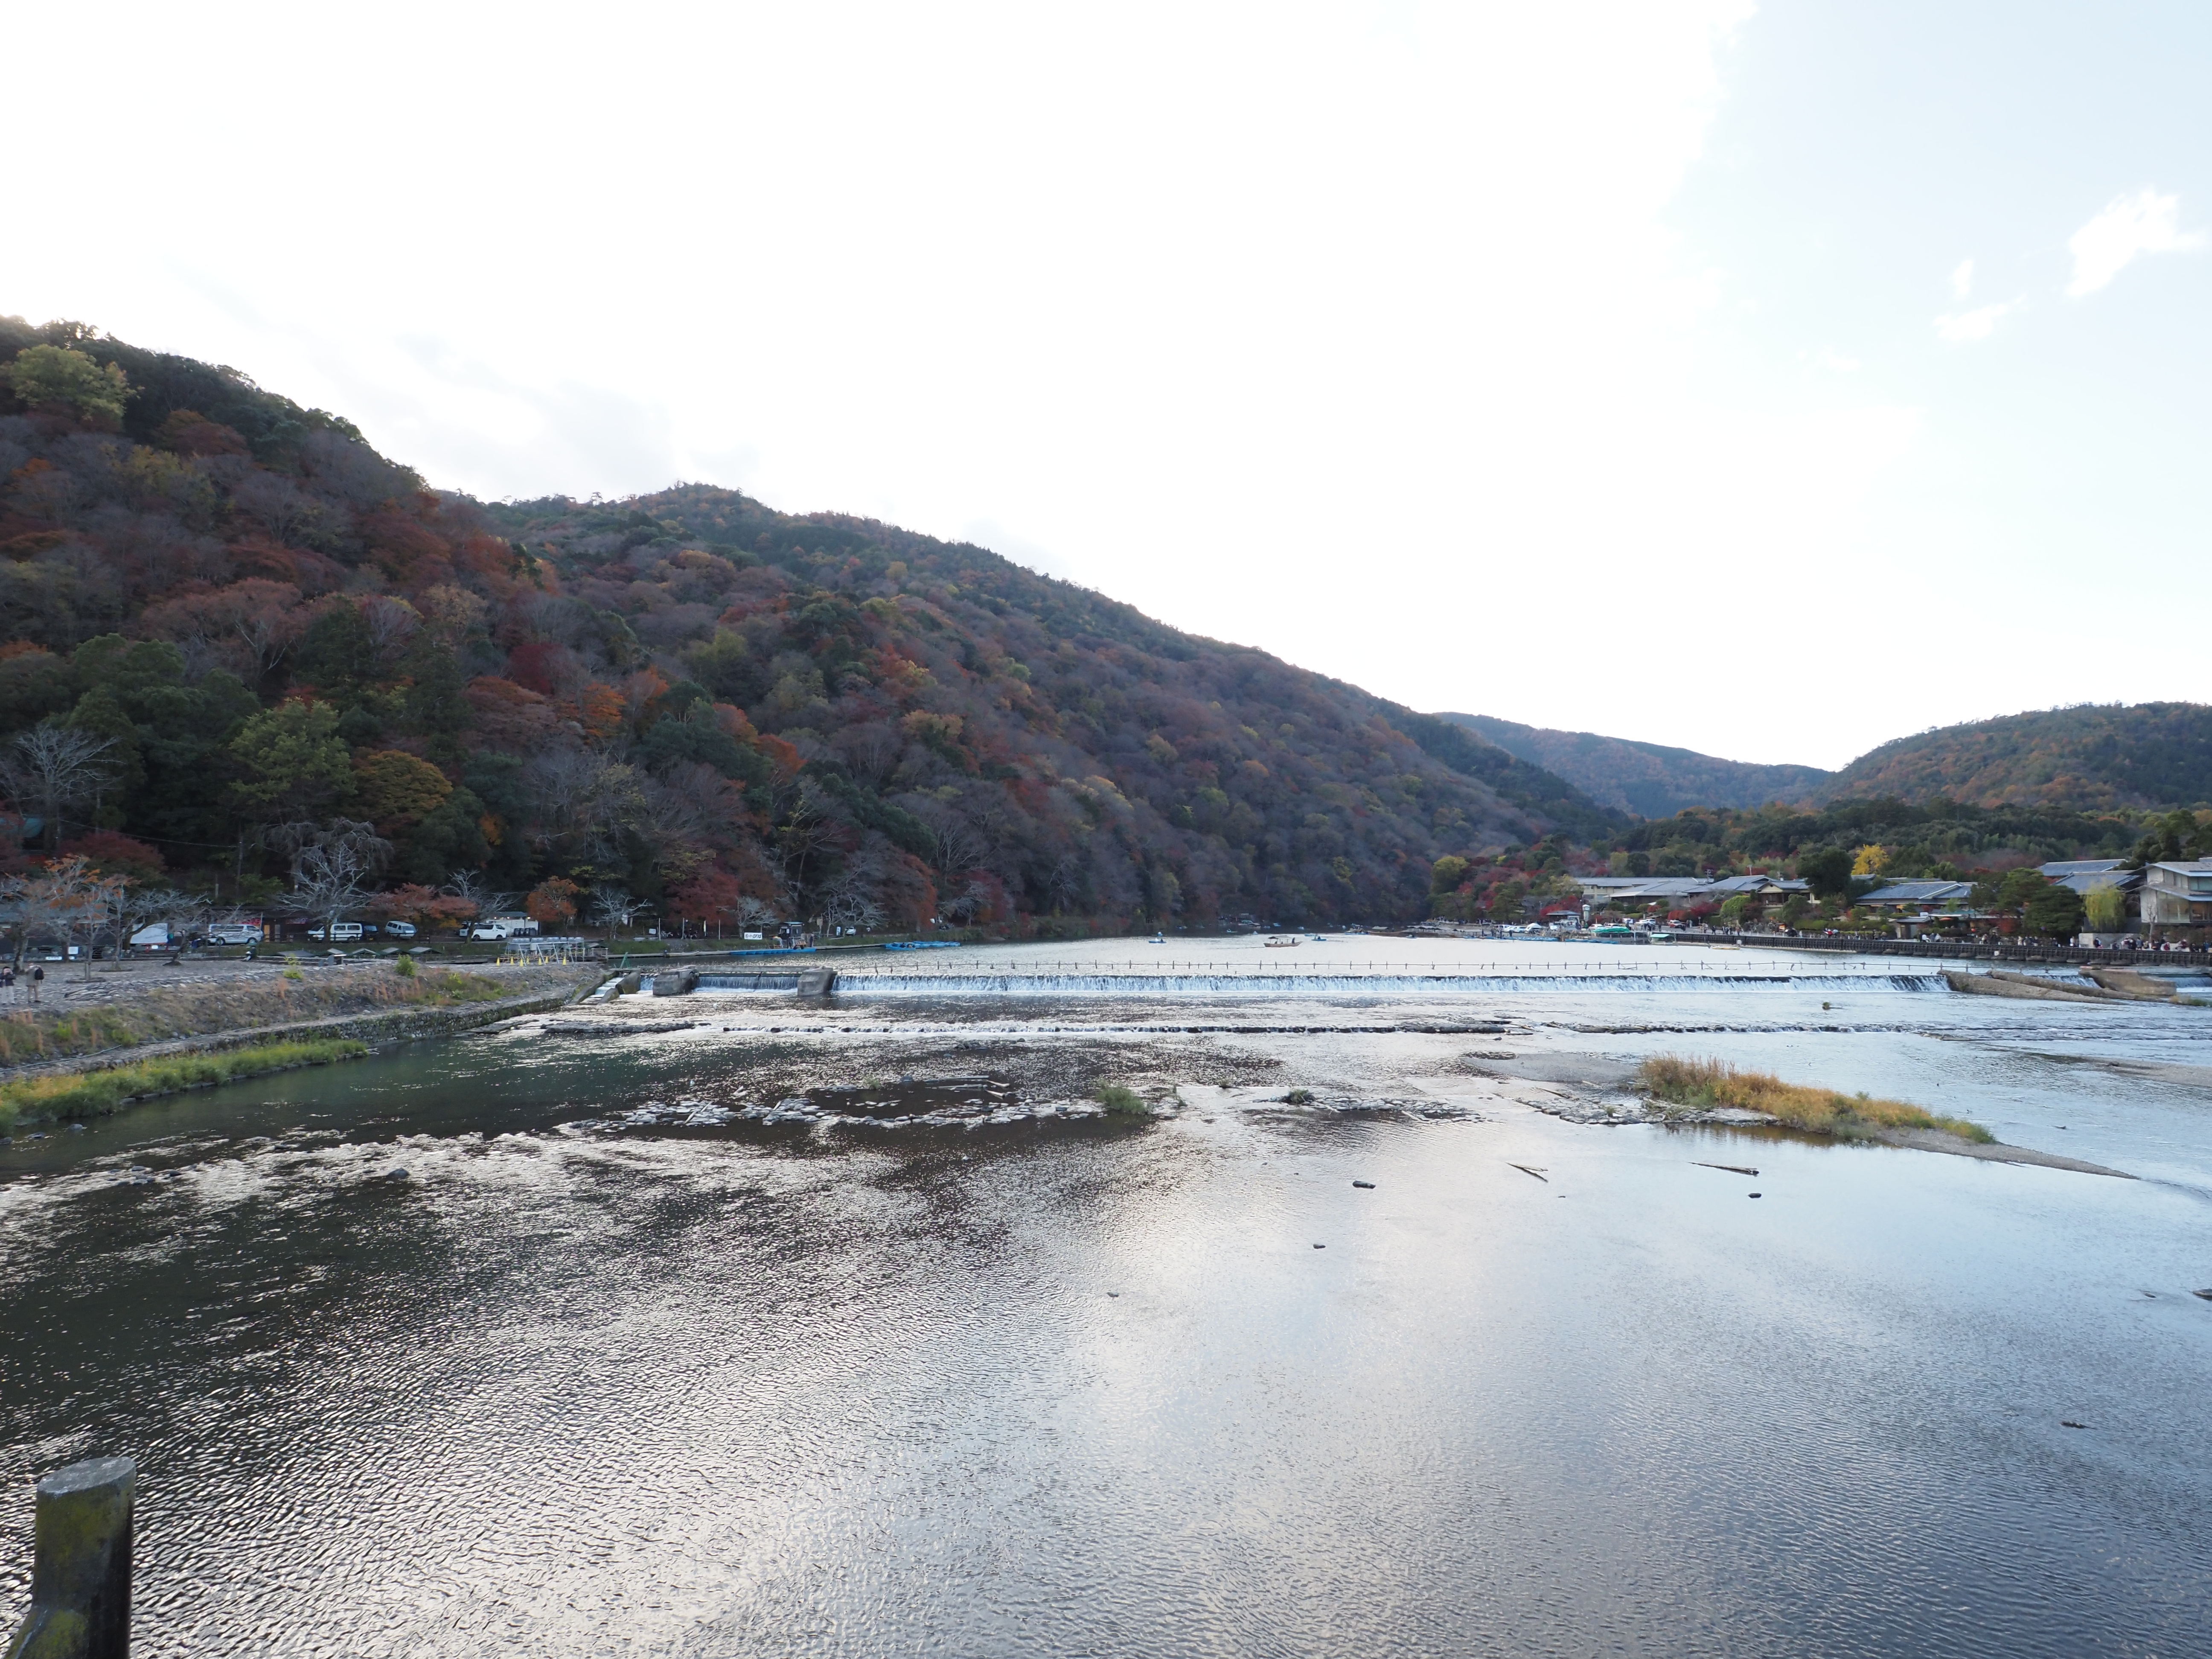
column 1368, row 1184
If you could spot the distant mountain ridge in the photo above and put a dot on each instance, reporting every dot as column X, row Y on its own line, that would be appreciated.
column 1650, row 780
column 2087, row 757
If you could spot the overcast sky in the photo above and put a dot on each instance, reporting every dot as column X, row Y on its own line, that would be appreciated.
column 1773, row 381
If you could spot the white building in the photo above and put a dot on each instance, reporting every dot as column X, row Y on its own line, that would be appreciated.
column 2177, row 894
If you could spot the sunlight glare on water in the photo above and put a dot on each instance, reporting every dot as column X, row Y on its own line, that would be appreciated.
column 574, row 1383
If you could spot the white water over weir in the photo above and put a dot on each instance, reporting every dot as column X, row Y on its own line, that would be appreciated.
column 1371, row 983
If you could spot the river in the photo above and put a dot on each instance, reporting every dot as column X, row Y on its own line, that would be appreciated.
column 526, row 1343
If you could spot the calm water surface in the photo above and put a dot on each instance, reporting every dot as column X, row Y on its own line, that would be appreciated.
column 1088, row 1389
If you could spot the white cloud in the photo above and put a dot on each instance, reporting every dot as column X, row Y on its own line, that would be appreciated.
column 1836, row 363
column 1962, row 280
column 1959, row 328
column 2145, row 222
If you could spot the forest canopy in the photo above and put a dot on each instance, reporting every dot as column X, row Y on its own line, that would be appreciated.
column 273, row 652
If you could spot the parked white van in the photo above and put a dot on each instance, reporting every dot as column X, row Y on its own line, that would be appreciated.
column 338, row 932
column 503, row 927
column 234, row 932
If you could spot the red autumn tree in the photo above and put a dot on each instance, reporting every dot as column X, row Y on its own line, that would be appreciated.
column 711, row 896
column 552, row 903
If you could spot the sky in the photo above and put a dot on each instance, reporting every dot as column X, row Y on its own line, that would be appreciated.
column 1769, row 379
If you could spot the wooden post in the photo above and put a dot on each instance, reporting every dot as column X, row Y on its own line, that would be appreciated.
column 80, row 1571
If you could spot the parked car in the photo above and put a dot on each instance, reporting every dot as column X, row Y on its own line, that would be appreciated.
column 503, row 927
column 234, row 932
column 338, row 932
column 401, row 929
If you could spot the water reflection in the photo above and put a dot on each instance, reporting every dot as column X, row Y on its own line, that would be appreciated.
column 1048, row 1388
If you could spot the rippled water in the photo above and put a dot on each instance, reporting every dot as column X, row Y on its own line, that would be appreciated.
column 682, row 1384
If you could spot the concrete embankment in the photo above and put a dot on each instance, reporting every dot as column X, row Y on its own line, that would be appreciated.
column 405, row 1022
column 2028, row 988
column 2146, row 987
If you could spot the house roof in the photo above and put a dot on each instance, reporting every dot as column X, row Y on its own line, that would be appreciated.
column 2062, row 868
column 2097, row 881
column 1920, row 892
column 1654, row 887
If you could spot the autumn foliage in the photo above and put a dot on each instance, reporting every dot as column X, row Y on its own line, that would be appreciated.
column 686, row 700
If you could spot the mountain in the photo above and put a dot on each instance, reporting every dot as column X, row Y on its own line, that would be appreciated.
column 2090, row 758
column 296, row 654
column 1647, row 778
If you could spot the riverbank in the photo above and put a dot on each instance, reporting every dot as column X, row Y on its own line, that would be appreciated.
column 68, row 1095
column 83, row 1058
column 144, row 1011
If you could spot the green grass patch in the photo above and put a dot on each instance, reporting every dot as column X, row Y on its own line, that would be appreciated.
column 1125, row 1102
column 91, row 1094
column 1702, row 1085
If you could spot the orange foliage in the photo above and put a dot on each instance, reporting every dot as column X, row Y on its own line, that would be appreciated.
column 641, row 692
column 709, row 897
column 510, row 716
column 404, row 548
column 552, row 903
column 116, row 855
column 188, row 432
column 600, row 709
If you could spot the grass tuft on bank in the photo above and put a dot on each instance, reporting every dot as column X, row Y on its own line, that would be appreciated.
column 92, row 1094
column 1702, row 1085
column 1123, row 1102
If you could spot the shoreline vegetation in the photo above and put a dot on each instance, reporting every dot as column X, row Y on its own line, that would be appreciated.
column 72, row 1095
column 1705, row 1085
column 29, row 1036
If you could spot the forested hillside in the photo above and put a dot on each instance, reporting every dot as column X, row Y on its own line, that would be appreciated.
column 1893, row 838
column 1647, row 778
column 2095, row 756
column 243, row 650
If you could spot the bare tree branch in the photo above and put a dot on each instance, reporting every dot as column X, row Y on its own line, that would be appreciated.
column 53, row 768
